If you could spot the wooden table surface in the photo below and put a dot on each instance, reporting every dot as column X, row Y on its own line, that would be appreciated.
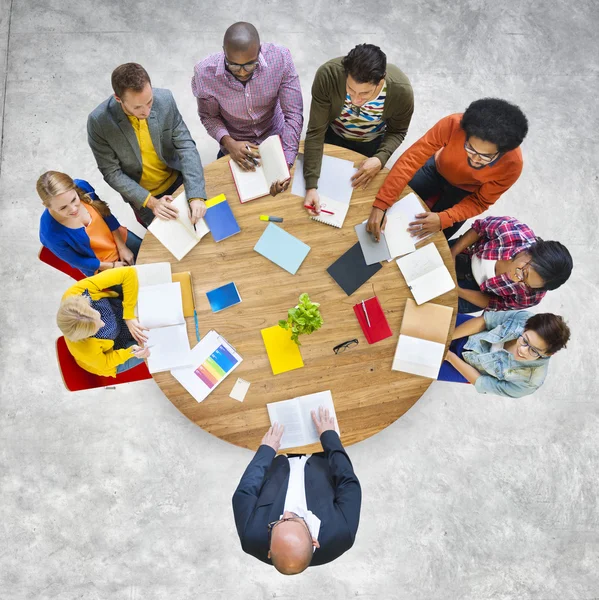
column 367, row 394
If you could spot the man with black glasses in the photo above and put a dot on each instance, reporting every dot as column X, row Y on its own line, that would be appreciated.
column 298, row 511
column 247, row 93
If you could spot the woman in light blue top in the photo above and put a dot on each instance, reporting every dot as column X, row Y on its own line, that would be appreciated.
column 504, row 353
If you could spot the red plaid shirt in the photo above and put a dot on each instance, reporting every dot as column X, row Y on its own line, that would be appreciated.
column 269, row 103
column 501, row 238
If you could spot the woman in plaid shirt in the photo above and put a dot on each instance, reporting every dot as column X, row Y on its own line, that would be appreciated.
column 502, row 265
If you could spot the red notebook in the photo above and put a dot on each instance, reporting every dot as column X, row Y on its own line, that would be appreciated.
column 379, row 328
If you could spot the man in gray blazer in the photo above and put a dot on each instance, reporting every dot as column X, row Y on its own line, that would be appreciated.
column 144, row 149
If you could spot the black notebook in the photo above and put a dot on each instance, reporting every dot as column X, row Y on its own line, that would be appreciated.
column 350, row 270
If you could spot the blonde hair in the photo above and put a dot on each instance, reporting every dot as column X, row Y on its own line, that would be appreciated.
column 53, row 183
column 76, row 318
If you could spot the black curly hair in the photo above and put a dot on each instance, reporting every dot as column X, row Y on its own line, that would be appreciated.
column 366, row 63
column 496, row 121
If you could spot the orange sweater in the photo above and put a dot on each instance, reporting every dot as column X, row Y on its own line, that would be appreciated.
column 446, row 141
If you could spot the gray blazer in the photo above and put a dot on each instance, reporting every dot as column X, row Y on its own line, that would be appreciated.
column 113, row 141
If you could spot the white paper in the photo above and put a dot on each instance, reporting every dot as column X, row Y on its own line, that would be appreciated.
column 409, row 206
column 187, row 377
column 424, row 260
column 178, row 235
column 431, row 285
column 295, row 416
column 250, row 184
column 417, row 356
column 240, row 389
column 338, row 208
column 334, row 181
column 160, row 305
column 170, row 348
column 153, row 274
column 397, row 237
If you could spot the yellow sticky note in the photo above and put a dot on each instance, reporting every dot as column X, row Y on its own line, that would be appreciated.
column 283, row 354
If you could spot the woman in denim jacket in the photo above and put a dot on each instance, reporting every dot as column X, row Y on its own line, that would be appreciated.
column 505, row 353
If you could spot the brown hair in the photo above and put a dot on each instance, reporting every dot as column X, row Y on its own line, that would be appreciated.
column 53, row 183
column 551, row 328
column 130, row 76
column 76, row 318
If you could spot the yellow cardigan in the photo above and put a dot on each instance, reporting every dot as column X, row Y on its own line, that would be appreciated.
column 93, row 354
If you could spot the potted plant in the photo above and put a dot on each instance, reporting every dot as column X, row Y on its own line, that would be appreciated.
column 304, row 319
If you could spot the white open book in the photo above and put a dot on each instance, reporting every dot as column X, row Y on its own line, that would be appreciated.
column 178, row 235
column 421, row 344
column 160, row 308
column 409, row 206
column 425, row 273
column 295, row 416
column 273, row 167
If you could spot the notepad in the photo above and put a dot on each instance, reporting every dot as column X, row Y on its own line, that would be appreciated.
column 350, row 270
column 296, row 416
column 161, row 310
column 372, row 320
column 421, row 345
column 283, row 353
column 187, row 296
column 220, row 218
column 212, row 360
column 151, row 274
column 178, row 235
column 339, row 210
column 282, row 248
column 334, row 181
column 425, row 273
column 409, row 206
column 373, row 251
column 273, row 167
column 223, row 297
column 394, row 241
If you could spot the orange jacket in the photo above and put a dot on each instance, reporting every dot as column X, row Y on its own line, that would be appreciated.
column 446, row 142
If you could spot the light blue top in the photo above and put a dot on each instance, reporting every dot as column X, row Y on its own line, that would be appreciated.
column 501, row 373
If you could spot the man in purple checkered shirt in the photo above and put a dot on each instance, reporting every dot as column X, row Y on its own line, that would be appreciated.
column 247, row 93
column 502, row 265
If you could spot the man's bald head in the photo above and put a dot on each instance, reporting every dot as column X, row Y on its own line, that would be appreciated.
column 241, row 37
column 291, row 547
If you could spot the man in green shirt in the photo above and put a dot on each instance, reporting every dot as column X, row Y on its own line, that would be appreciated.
column 359, row 102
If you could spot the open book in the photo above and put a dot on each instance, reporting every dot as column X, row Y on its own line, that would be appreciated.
column 421, row 344
column 295, row 416
column 178, row 235
column 273, row 167
column 160, row 309
column 395, row 240
column 425, row 273
column 407, row 208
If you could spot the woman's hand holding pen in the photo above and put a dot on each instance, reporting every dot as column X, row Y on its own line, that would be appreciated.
column 376, row 222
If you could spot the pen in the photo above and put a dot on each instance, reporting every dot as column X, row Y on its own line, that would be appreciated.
column 195, row 314
column 267, row 218
column 251, row 158
column 327, row 212
column 365, row 313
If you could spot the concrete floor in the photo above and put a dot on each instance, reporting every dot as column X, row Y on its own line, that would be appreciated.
column 115, row 495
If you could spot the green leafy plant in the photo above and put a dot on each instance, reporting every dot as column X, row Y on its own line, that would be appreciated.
column 304, row 319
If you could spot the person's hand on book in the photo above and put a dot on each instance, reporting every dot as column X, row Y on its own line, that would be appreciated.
column 312, row 199
column 162, row 207
column 376, row 222
column 280, row 186
column 197, row 209
column 323, row 421
column 246, row 155
column 273, row 437
column 367, row 170
column 425, row 224
column 136, row 329
column 140, row 352
column 126, row 256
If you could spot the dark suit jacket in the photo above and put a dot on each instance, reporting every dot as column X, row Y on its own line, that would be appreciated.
column 113, row 141
column 333, row 494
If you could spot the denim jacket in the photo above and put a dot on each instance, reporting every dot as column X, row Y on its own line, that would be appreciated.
column 501, row 373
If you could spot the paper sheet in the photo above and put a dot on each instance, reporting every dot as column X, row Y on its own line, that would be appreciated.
column 240, row 389
column 424, row 260
column 338, row 208
column 170, row 348
column 419, row 357
column 287, row 413
column 153, row 274
column 334, row 181
column 160, row 305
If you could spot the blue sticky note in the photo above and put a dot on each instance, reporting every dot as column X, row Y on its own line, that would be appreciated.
column 282, row 248
column 223, row 297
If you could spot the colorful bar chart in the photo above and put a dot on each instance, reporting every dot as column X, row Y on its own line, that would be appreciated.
column 216, row 366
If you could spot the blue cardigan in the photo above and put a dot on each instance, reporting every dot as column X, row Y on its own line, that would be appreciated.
column 73, row 245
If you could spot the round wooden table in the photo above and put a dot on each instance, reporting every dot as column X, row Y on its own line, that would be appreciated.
column 367, row 394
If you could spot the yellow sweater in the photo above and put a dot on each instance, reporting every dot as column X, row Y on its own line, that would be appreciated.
column 93, row 354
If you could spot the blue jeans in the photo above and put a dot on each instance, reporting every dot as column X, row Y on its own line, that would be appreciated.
column 131, row 362
column 427, row 183
column 133, row 243
column 366, row 148
column 448, row 372
column 463, row 270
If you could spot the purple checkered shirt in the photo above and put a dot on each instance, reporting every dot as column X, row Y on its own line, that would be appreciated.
column 501, row 238
column 270, row 102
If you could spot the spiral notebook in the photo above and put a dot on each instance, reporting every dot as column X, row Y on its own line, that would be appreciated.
column 339, row 210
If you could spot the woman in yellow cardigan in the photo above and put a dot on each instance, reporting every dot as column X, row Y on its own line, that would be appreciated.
column 100, row 330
